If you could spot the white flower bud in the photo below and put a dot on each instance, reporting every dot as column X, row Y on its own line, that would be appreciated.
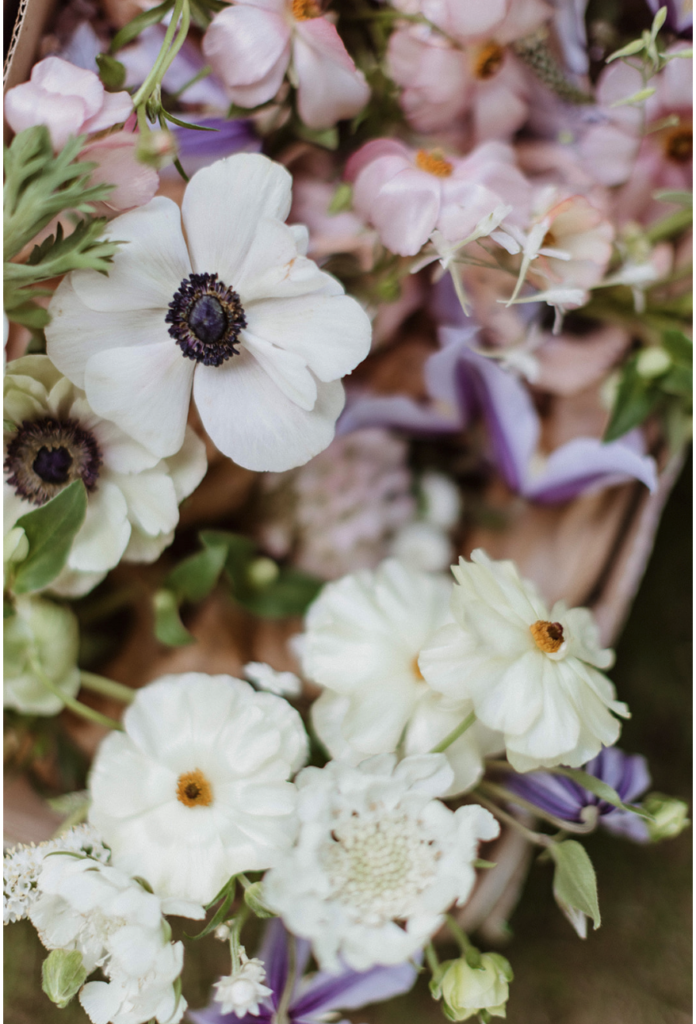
column 468, row 991
column 669, row 816
column 40, row 638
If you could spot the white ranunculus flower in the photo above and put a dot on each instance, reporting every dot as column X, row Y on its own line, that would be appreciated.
column 196, row 788
column 242, row 991
column 377, row 861
column 233, row 310
column 118, row 926
column 44, row 635
column 362, row 638
column 530, row 673
column 283, row 684
column 133, row 496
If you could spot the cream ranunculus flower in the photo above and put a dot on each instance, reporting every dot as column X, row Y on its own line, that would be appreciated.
column 530, row 673
column 133, row 496
column 196, row 788
column 362, row 638
column 378, row 859
column 234, row 311
column 39, row 635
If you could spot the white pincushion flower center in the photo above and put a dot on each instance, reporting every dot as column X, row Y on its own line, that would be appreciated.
column 379, row 866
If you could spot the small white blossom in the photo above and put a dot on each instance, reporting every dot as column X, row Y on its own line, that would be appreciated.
column 195, row 790
column 242, row 991
column 530, row 673
column 22, row 865
column 377, row 861
column 283, row 684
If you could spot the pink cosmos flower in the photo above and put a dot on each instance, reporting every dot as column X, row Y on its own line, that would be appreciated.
column 67, row 99
column 251, row 44
column 407, row 194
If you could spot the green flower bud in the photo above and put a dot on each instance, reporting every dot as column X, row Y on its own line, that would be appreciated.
column 63, row 975
column 653, row 362
column 157, row 148
column 40, row 642
column 254, row 900
column 669, row 816
column 262, row 572
column 483, row 989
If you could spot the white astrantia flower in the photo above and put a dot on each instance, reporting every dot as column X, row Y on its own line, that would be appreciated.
column 195, row 790
column 234, row 310
column 363, row 635
column 283, row 684
column 22, row 865
column 530, row 673
column 133, row 496
column 40, row 638
column 378, row 860
column 117, row 925
column 241, row 991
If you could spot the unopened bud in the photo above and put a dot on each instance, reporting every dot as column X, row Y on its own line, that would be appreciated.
column 222, row 932
column 63, row 975
column 669, row 816
column 653, row 362
column 476, row 986
column 254, row 901
column 157, row 148
column 262, row 572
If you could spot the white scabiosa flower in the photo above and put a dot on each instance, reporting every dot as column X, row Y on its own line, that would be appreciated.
column 39, row 638
column 22, row 865
column 196, row 788
column 530, row 673
column 133, row 496
column 378, row 859
column 242, row 991
column 363, row 635
column 234, row 311
column 118, row 926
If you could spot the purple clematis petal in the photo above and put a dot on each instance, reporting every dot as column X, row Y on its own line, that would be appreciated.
column 354, row 989
column 198, row 149
column 586, row 464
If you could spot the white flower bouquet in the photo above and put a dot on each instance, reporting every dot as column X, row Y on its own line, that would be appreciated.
column 308, row 303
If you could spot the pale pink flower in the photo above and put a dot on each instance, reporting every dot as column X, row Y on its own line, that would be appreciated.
column 135, row 182
column 330, row 233
column 252, row 44
column 67, row 99
column 407, row 194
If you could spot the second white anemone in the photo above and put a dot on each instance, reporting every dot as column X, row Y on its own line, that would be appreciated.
column 233, row 311
column 196, row 788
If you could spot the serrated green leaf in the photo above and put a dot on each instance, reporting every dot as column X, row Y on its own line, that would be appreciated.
column 636, row 398
column 574, row 881
column 111, row 71
column 50, row 531
column 30, row 315
column 169, row 629
column 600, row 788
column 138, row 24
column 82, row 249
column 195, row 576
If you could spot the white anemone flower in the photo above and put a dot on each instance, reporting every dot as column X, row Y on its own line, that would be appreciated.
column 363, row 635
column 118, row 926
column 377, row 861
column 53, row 437
column 530, row 673
column 195, row 790
column 233, row 310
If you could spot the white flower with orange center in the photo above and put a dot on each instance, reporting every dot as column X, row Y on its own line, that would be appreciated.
column 232, row 311
column 530, row 673
column 197, row 789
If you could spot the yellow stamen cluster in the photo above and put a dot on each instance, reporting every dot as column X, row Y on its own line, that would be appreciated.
column 548, row 636
column 303, row 10
column 679, row 144
column 434, row 163
column 488, row 60
column 194, row 790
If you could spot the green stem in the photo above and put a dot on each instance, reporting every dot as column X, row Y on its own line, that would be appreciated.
column 459, row 934
column 107, row 687
column 455, row 734
column 538, row 838
column 282, row 1016
column 235, row 935
column 143, row 93
column 180, row 39
column 75, row 705
column 668, row 226
column 431, row 957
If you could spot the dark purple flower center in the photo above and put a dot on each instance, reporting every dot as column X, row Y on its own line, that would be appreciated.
column 44, row 456
column 206, row 318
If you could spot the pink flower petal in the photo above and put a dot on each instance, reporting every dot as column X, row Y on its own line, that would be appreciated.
column 330, row 87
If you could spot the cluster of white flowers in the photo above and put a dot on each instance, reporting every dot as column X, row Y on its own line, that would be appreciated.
column 241, row 991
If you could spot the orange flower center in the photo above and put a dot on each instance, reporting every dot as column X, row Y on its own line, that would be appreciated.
column 548, row 636
column 303, row 10
column 434, row 163
column 488, row 60
column 679, row 144
column 194, row 790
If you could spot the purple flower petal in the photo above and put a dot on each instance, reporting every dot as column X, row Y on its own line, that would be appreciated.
column 587, row 464
column 396, row 412
column 354, row 989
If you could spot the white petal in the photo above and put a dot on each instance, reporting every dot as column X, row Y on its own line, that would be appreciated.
column 222, row 207
column 188, row 467
column 104, row 534
column 144, row 548
column 77, row 332
column 152, row 504
column 147, row 271
column 252, row 421
column 274, row 268
column 146, row 391
column 285, row 369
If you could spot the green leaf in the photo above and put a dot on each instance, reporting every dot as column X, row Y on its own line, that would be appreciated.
column 169, row 629
column 676, row 196
column 195, row 576
column 111, row 71
column 186, row 124
column 142, row 21
column 50, row 531
column 326, row 137
column 226, row 894
column 679, row 381
column 342, row 198
column 30, row 315
column 627, row 51
column 289, row 595
column 679, row 346
column 635, row 400
column 601, row 789
column 575, row 884
column 82, row 249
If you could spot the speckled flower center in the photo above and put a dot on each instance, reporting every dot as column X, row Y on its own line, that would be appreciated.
column 303, row 10
column 548, row 636
column 434, row 163
column 44, row 456
column 206, row 318
column 194, row 790
column 488, row 61
column 378, row 865
column 679, row 144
